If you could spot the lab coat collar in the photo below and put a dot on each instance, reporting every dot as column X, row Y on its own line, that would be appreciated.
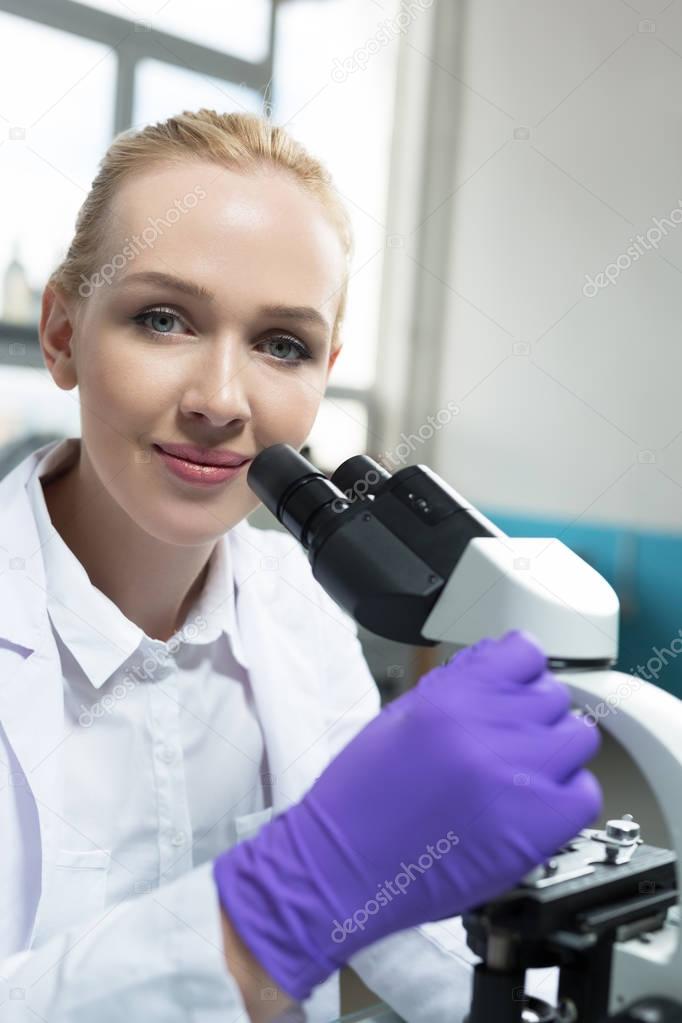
column 98, row 634
column 24, row 589
column 277, row 613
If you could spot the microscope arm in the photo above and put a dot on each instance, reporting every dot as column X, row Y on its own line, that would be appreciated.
column 647, row 722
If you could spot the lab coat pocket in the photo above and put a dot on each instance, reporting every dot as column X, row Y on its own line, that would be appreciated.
column 78, row 891
column 249, row 824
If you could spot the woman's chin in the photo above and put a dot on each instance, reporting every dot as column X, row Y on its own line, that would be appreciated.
column 189, row 525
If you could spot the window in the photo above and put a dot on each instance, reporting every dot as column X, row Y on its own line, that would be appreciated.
column 31, row 405
column 59, row 119
column 340, row 431
column 339, row 103
column 163, row 89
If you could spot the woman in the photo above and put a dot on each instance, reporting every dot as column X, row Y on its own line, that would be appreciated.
column 174, row 678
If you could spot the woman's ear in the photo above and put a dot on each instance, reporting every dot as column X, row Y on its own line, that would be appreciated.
column 333, row 356
column 56, row 338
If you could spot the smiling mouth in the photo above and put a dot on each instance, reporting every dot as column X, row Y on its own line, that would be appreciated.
column 198, row 473
column 194, row 461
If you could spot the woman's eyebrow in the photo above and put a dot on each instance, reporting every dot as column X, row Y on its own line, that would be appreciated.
column 292, row 312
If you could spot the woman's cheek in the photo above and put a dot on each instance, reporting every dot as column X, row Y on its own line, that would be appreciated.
column 124, row 387
column 293, row 406
column 101, row 374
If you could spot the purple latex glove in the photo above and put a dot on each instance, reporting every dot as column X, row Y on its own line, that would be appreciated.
column 446, row 799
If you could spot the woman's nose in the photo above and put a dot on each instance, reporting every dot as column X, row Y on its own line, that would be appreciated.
column 218, row 388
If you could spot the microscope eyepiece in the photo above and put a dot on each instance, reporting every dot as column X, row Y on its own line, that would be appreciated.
column 293, row 489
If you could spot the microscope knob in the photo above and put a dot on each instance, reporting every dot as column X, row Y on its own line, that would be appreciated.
column 623, row 830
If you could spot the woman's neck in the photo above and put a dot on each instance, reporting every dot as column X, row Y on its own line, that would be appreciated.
column 153, row 583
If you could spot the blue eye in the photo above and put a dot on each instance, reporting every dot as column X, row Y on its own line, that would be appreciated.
column 303, row 353
column 141, row 318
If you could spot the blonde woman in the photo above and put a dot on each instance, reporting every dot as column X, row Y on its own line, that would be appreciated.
column 204, row 811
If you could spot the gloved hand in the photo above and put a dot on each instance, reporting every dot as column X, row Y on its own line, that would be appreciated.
column 446, row 799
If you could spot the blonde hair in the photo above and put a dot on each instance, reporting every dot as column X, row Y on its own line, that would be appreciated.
column 242, row 142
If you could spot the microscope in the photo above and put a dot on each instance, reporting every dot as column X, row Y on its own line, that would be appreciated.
column 411, row 560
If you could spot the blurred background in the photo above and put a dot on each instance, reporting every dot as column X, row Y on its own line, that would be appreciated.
column 512, row 169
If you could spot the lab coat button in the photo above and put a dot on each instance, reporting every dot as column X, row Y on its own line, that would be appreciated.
column 178, row 838
column 167, row 754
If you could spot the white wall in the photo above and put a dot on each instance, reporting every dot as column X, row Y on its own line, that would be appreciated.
column 569, row 144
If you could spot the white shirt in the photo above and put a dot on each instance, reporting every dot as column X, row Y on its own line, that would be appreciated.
column 163, row 745
column 159, row 955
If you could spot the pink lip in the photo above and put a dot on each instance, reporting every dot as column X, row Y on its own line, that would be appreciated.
column 204, row 456
column 191, row 472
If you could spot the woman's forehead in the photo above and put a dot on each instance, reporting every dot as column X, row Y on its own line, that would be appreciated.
column 234, row 223
column 218, row 196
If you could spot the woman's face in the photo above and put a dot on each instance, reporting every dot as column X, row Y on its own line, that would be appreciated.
column 155, row 364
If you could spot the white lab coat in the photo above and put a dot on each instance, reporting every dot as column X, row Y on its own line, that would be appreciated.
column 313, row 691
